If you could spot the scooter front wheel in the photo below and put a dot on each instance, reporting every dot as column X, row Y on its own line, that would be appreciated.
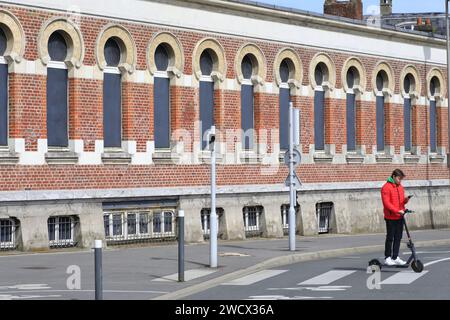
column 375, row 262
column 417, row 266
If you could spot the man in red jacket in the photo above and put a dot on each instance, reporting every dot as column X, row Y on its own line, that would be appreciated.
column 394, row 201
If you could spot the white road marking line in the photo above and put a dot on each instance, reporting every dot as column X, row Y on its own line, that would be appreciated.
column 253, row 278
column 110, row 291
column 11, row 297
column 434, row 262
column 321, row 288
column 327, row 277
column 26, row 287
column 328, row 288
column 188, row 275
column 404, row 277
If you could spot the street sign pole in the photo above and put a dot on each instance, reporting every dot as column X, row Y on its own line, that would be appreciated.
column 291, row 180
column 213, row 216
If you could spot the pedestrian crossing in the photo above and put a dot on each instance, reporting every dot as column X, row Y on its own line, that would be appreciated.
column 319, row 282
column 254, row 278
column 404, row 277
column 188, row 275
column 327, row 278
column 324, row 281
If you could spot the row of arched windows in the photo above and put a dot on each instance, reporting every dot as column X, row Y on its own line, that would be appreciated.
column 251, row 71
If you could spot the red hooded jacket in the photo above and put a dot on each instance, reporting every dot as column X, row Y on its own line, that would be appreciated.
column 393, row 197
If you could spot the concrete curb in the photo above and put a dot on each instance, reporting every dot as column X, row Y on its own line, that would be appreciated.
column 283, row 261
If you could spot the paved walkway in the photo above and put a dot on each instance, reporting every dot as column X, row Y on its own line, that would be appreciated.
column 150, row 272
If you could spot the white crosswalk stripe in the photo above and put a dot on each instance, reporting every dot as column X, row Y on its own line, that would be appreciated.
column 253, row 278
column 327, row 277
column 188, row 275
column 404, row 277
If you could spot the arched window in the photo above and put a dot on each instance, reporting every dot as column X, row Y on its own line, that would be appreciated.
column 162, row 98
column 112, row 95
column 285, row 99
column 3, row 90
column 381, row 83
column 320, row 76
column 434, row 89
column 352, row 79
column 57, row 92
column 206, row 94
column 408, row 85
column 247, row 102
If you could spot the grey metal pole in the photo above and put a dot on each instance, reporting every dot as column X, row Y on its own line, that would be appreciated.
column 181, row 246
column 291, row 180
column 98, row 270
column 448, row 80
column 213, row 216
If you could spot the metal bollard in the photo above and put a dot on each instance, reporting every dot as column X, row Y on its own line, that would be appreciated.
column 98, row 245
column 181, row 246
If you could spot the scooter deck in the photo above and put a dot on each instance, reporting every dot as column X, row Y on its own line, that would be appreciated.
column 406, row 266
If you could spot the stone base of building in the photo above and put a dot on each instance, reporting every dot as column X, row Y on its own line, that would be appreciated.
column 42, row 225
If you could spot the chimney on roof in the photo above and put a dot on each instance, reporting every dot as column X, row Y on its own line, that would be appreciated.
column 385, row 7
column 352, row 9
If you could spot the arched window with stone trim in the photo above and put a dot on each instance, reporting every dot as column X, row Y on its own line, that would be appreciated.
column 408, row 88
column 352, row 79
column 247, row 102
column 320, row 75
column 206, row 94
column 381, row 84
column 285, row 99
column 435, row 86
column 12, row 47
column 57, row 92
column 161, row 97
column 3, row 90
column 112, row 94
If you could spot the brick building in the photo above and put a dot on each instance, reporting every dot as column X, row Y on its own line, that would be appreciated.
column 104, row 109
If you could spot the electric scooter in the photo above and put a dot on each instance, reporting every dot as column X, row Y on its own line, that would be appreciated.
column 413, row 259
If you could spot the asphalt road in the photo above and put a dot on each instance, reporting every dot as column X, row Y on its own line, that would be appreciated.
column 151, row 272
column 343, row 278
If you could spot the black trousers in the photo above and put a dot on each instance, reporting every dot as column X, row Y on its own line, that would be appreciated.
column 393, row 238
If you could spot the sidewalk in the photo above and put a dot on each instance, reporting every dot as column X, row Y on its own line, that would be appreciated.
column 141, row 271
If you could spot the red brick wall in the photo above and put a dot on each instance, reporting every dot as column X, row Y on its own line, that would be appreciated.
column 28, row 117
column 27, row 108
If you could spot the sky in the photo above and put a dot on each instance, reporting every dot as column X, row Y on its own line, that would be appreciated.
column 369, row 5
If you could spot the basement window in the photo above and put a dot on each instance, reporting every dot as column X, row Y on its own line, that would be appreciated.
column 8, row 237
column 61, row 231
column 123, row 227
column 252, row 217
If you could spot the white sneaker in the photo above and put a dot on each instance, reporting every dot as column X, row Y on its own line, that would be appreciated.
column 399, row 262
column 389, row 262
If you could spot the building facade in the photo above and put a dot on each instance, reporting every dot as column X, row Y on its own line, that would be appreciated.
column 105, row 110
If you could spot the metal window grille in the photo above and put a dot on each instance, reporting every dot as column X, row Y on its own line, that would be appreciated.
column 205, row 215
column 61, row 232
column 7, row 234
column 127, row 227
column 251, row 221
column 324, row 211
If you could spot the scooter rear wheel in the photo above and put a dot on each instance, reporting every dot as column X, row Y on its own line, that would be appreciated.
column 417, row 266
